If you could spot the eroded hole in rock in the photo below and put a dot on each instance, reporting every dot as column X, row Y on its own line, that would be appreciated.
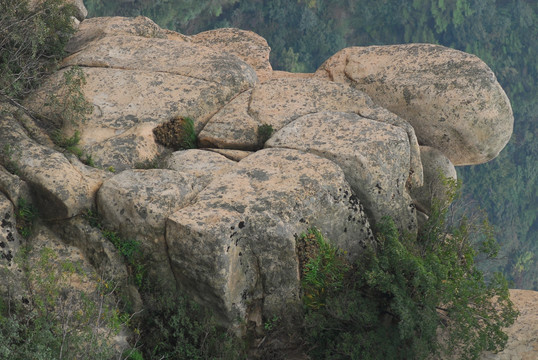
column 178, row 134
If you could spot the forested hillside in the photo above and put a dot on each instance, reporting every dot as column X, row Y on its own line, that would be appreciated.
column 303, row 33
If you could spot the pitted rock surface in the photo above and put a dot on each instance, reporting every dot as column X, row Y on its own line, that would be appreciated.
column 235, row 247
column 167, row 56
column 279, row 102
column 373, row 155
column 97, row 28
column 451, row 98
column 222, row 223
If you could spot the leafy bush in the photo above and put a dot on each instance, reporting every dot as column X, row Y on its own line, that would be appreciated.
column 32, row 40
column 176, row 327
column 68, row 105
column 397, row 299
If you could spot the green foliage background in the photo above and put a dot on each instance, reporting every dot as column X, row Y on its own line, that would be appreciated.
column 304, row 33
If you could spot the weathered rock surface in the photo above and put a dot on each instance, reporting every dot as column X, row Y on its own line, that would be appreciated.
column 136, row 203
column 246, row 45
column 203, row 165
column 437, row 170
column 523, row 334
column 97, row 28
column 137, row 77
column 374, row 156
column 278, row 102
column 451, row 98
column 234, row 249
column 10, row 240
column 60, row 191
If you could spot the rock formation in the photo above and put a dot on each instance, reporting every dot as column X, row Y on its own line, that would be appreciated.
column 364, row 137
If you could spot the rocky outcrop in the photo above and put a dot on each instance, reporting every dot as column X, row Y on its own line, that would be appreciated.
column 336, row 150
column 451, row 98
column 137, row 77
column 353, row 142
column 235, row 247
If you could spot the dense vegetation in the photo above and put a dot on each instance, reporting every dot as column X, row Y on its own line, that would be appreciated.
column 400, row 295
column 32, row 40
column 303, row 33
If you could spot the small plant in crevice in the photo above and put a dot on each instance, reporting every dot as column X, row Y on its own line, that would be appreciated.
column 130, row 249
column 8, row 160
column 177, row 327
column 177, row 134
column 25, row 214
column 264, row 133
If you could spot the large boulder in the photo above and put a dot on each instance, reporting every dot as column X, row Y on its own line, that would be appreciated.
column 451, row 98
column 374, row 156
column 235, row 248
column 278, row 102
column 136, row 203
column 138, row 76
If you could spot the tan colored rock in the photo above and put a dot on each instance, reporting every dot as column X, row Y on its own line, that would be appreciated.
column 12, row 186
column 246, row 45
column 437, row 169
column 277, row 74
column 374, row 156
column 523, row 334
column 235, row 155
column 451, row 98
column 234, row 249
column 12, row 284
column 10, row 240
column 60, row 191
column 166, row 56
column 203, row 165
column 279, row 102
column 128, row 105
column 100, row 27
column 136, row 203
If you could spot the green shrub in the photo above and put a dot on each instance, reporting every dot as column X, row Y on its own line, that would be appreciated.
column 32, row 40
column 264, row 133
column 392, row 302
column 176, row 327
column 25, row 214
